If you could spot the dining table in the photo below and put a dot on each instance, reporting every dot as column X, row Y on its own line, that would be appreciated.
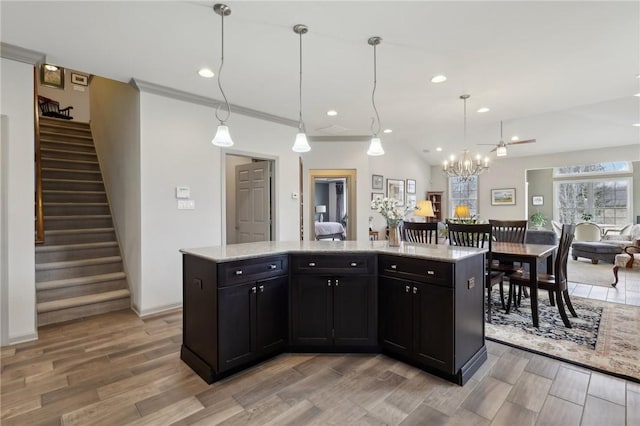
column 528, row 254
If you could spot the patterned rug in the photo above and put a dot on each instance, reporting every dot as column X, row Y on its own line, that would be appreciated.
column 604, row 337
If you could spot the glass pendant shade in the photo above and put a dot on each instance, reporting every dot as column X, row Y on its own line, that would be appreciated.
column 222, row 137
column 501, row 151
column 375, row 148
column 301, row 144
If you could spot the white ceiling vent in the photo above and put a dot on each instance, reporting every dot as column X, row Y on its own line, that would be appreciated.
column 332, row 130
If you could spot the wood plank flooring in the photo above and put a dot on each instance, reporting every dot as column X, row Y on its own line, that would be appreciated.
column 117, row 369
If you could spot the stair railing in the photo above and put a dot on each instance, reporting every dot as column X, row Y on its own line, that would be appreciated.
column 38, row 165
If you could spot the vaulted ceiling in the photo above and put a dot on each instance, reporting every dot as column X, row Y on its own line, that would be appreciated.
column 564, row 73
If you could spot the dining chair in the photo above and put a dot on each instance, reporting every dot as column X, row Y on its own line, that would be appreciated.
column 508, row 231
column 420, row 232
column 478, row 235
column 555, row 283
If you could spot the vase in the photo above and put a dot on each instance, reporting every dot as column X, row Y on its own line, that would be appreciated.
column 394, row 236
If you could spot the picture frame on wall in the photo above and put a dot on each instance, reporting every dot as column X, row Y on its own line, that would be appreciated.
column 52, row 76
column 395, row 190
column 503, row 197
column 537, row 200
column 376, row 195
column 79, row 79
column 411, row 186
column 412, row 201
column 377, row 182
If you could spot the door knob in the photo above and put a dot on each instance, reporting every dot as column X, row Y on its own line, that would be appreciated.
column 261, row 289
column 407, row 289
column 336, row 283
column 329, row 283
column 253, row 289
column 415, row 290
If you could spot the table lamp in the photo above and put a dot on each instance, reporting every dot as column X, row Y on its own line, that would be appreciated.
column 462, row 212
column 321, row 209
column 425, row 209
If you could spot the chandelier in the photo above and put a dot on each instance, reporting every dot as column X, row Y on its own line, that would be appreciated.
column 465, row 167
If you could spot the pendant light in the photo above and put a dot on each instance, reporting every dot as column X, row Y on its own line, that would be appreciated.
column 501, row 149
column 375, row 148
column 222, row 137
column 301, row 144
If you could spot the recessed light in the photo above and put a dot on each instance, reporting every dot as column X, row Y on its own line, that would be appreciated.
column 332, row 113
column 205, row 72
column 637, row 75
column 50, row 67
column 387, row 131
column 514, row 138
column 439, row 78
column 439, row 149
column 636, row 124
column 637, row 94
column 484, row 109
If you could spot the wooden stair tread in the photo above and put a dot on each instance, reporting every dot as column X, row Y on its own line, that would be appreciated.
column 90, row 279
column 70, row 180
column 75, row 246
column 78, row 231
column 59, row 142
column 66, row 151
column 66, row 160
column 72, row 203
column 55, row 169
column 71, row 191
column 77, row 263
column 79, row 216
column 82, row 300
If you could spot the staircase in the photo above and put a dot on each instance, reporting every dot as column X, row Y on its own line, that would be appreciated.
column 79, row 271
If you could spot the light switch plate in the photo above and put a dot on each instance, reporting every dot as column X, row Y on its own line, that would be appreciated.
column 183, row 192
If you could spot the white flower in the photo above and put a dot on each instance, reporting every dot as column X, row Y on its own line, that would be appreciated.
column 389, row 209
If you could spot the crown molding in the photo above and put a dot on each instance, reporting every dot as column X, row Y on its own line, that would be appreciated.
column 20, row 54
column 355, row 138
column 145, row 86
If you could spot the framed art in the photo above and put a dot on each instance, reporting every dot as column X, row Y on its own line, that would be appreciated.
column 377, row 182
column 537, row 200
column 80, row 79
column 377, row 195
column 411, row 200
column 395, row 190
column 52, row 76
column 411, row 186
column 503, row 197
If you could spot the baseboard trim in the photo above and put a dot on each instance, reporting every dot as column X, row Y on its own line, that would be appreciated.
column 159, row 310
column 22, row 339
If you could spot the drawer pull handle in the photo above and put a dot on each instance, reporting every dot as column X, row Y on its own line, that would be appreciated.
column 261, row 289
column 312, row 264
column 431, row 273
column 354, row 264
column 239, row 272
column 272, row 267
column 254, row 289
column 407, row 289
column 415, row 290
column 394, row 267
column 329, row 283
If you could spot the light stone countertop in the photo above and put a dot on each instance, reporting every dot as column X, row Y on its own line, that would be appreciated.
column 439, row 252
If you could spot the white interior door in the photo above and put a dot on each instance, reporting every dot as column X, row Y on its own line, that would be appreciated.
column 253, row 212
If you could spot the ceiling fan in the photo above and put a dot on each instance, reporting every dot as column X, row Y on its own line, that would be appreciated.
column 501, row 147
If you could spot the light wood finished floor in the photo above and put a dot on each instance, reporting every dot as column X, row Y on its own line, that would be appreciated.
column 117, row 369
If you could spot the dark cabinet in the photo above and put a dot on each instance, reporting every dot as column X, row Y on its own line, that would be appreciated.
column 419, row 319
column 253, row 320
column 234, row 312
column 338, row 309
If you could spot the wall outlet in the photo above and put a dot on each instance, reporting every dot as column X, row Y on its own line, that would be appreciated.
column 186, row 204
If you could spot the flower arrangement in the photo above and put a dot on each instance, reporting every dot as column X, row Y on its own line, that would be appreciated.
column 389, row 209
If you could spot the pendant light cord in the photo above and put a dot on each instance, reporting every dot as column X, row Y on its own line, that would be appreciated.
column 220, row 78
column 300, row 124
column 373, row 95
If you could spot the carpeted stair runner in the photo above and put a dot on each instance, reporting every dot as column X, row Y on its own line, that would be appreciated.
column 79, row 271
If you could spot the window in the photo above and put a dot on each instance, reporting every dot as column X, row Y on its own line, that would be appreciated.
column 607, row 201
column 613, row 167
column 463, row 193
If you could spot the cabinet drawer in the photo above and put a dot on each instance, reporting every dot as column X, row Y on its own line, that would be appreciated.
column 333, row 264
column 426, row 271
column 235, row 272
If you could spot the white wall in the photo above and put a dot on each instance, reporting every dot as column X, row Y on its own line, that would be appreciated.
column 176, row 149
column 118, row 148
column 230, row 188
column 510, row 172
column 18, row 302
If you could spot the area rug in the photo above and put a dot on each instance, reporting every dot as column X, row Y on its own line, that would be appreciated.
column 584, row 272
column 605, row 336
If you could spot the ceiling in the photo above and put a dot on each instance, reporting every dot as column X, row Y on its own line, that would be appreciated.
column 563, row 73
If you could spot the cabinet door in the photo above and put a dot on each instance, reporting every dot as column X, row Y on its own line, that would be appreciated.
column 272, row 314
column 311, row 310
column 433, row 329
column 396, row 318
column 236, row 322
column 354, row 311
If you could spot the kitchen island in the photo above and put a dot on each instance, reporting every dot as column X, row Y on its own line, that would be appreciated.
column 420, row 303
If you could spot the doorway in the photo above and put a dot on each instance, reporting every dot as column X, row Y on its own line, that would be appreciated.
column 332, row 198
column 249, row 199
